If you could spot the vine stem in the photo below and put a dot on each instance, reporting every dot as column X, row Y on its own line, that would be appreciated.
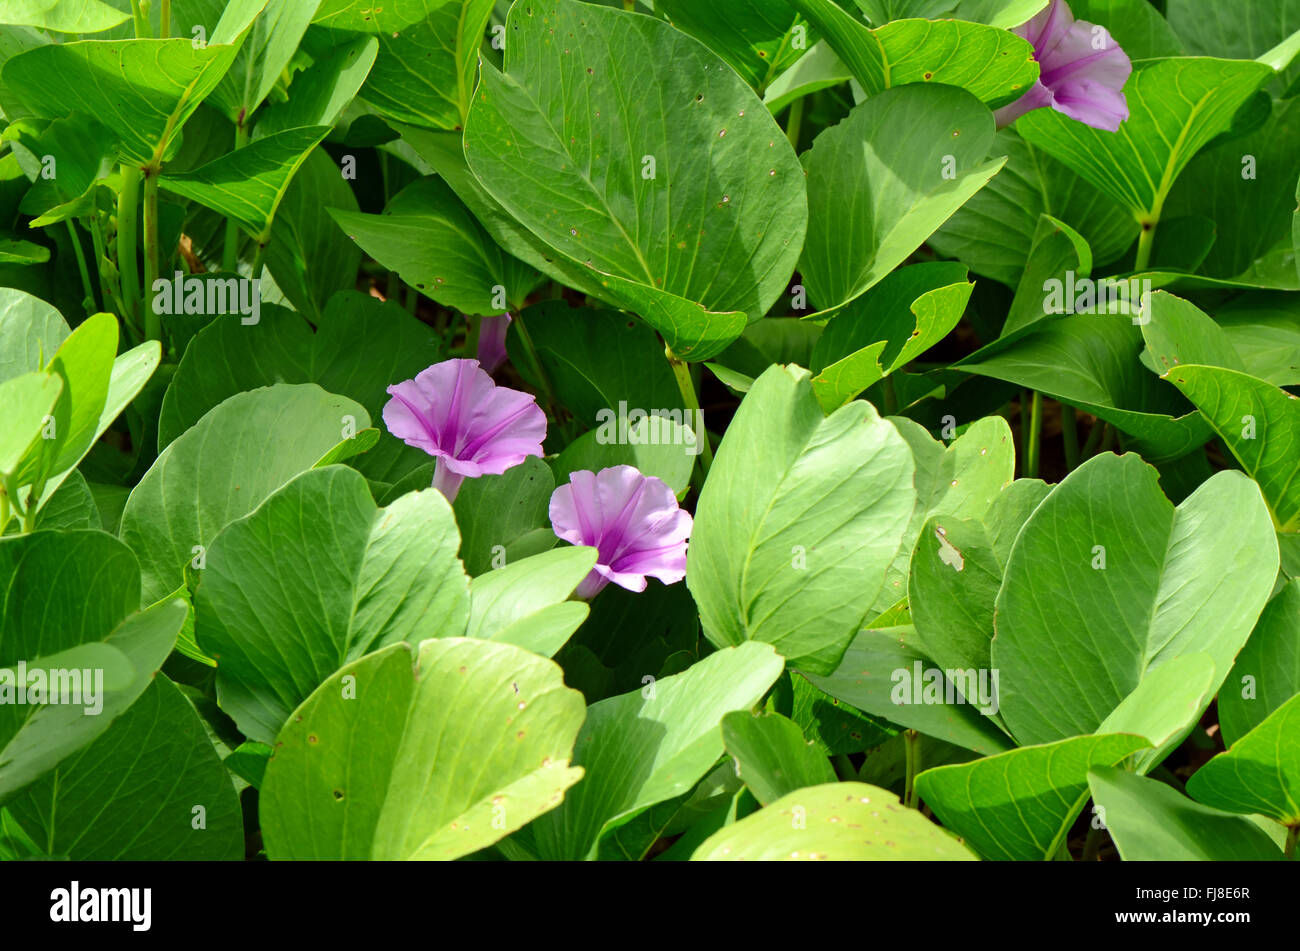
column 912, row 747
column 142, row 31
column 230, row 253
column 4, row 510
column 682, row 373
column 152, row 321
column 87, row 287
column 165, row 19
column 1035, row 435
column 794, row 123
column 1292, row 836
column 1146, row 241
column 127, row 205
column 1092, row 845
column 1070, row 436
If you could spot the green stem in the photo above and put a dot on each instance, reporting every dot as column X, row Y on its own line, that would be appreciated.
column 682, row 373
column 4, row 511
column 1108, row 439
column 794, row 123
column 844, row 768
column 1035, row 435
column 1093, row 441
column 107, row 288
column 1292, row 836
column 912, row 747
column 1146, row 241
column 141, row 18
column 1093, row 844
column 472, row 327
column 230, row 254
column 87, row 287
column 127, row 209
column 165, row 19
column 543, row 378
column 255, row 268
column 152, row 321
column 1070, row 436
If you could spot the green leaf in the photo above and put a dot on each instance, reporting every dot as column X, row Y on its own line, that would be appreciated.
column 569, row 146
column 372, row 764
column 502, row 512
column 506, row 598
column 1058, row 251
column 76, row 151
column 145, row 89
column 150, row 788
column 885, row 674
column 1260, row 425
column 886, row 328
column 883, row 180
column 247, row 185
column 953, row 584
column 257, row 441
column 288, row 596
column 1175, row 107
column 1177, row 332
column 309, row 258
column 772, row 756
column 28, row 401
column 1165, row 706
column 324, row 89
column 651, row 745
column 428, row 236
column 832, row 726
column 72, row 602
column 1149, row 821
column 994, row 232
column 1264, row 330
column 1267, row 671
column 1107, row 581
column 993, row 65
column 1020, row 805
column 836, row 822
column 758, row 38
column 63, row 16
column 1249, row 29
column 1090, row 361
column 1260, row 773
column 428, row 54
column 1137, row 27
column 361, row 346
column 263, row 56
column 800, row 519
column 1246, row 186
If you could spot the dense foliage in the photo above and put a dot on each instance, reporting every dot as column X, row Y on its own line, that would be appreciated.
column 779, row 429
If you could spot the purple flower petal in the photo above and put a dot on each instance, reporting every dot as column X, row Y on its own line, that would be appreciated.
column 455, row 412
column 1082, row 71
column 492, row 341
column 632, row 520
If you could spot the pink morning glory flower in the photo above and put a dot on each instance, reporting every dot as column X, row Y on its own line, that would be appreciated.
column 1082, row 70
column 631, row 519
column 492, row 341
column 456, row 413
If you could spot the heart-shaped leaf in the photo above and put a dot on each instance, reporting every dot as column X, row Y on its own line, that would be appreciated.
column 1107, row 580
column 257, row 441
column 361, row 578
column 372, row 765
column 1267, row 672
column 571, row 149
column 884, row 179
column 800, row 519
column 759, row 39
